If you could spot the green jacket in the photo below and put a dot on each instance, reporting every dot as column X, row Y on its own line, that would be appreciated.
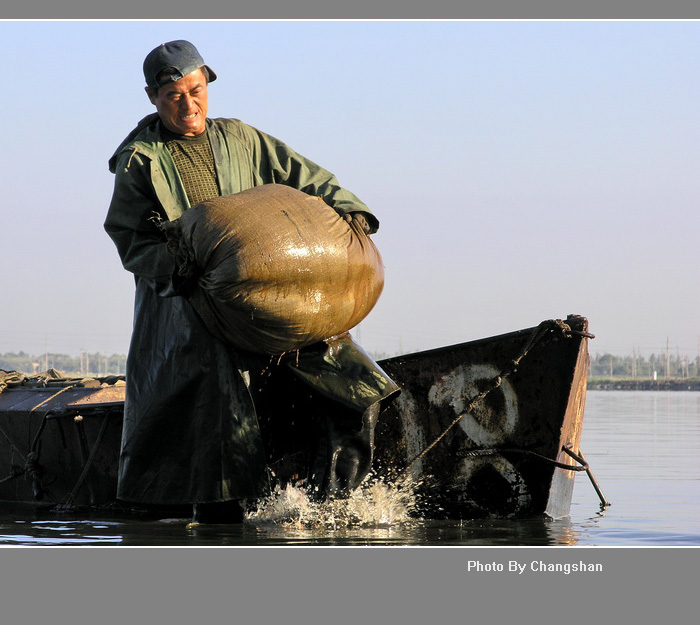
column 147, row 183
column 191, row 430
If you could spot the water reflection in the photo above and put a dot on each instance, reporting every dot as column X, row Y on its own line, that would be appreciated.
column 642, row 446
column 179, row 532
column 61, row 532
column 379, row 515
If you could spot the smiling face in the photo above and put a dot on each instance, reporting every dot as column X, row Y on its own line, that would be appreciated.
column 183, row 104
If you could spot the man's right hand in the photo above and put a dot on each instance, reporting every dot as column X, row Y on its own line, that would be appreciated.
column 360, row 220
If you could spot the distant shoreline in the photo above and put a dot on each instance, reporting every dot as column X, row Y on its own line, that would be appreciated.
column 639, row 384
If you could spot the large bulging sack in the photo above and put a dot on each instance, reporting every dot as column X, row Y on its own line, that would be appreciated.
column 278, row 269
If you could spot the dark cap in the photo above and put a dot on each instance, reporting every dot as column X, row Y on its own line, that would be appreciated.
column 180, row 56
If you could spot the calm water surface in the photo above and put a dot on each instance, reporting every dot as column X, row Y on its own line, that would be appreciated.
column 643, row 447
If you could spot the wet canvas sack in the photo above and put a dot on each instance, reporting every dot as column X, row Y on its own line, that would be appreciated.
column 277, row 269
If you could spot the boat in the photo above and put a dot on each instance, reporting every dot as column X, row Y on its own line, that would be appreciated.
column 489, row 428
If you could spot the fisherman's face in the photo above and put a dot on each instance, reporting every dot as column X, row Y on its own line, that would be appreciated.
column 183, row 104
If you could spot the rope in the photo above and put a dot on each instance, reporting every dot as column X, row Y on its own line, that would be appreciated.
column 11, row 443
column 501, row 450
column 56, row 394
column 537, row 334
column 32, row 468
column 15, row 471
column 88, row 462
column 580, row 458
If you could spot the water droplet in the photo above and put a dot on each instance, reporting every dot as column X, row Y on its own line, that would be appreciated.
column 376, row 503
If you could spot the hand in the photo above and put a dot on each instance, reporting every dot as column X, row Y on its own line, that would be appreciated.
column 360, row 220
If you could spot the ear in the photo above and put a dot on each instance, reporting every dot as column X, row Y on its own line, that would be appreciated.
column 151, row 95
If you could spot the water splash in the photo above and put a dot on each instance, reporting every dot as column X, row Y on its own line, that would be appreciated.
column 376, row 503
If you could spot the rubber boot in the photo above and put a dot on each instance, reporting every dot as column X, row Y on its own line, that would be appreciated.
column 351, row 452
column 217, row 512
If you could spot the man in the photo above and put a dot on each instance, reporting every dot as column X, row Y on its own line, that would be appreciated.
column 191, row 431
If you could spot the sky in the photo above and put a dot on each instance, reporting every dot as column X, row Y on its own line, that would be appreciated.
column 521, row 170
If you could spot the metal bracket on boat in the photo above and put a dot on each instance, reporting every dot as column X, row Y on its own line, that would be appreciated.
column 580, row 458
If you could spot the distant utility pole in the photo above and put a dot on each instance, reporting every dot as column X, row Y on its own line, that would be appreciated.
column 668, row 359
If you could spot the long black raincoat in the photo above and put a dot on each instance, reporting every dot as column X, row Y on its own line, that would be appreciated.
column 190, row 427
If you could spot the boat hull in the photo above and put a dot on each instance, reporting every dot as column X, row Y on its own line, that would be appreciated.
column 481, row 428
column 498, row 459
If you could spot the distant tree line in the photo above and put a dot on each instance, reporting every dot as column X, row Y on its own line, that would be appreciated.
column 656, row 366
column 85, row 364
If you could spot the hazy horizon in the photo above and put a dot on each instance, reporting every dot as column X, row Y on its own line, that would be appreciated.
column 521, row 171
